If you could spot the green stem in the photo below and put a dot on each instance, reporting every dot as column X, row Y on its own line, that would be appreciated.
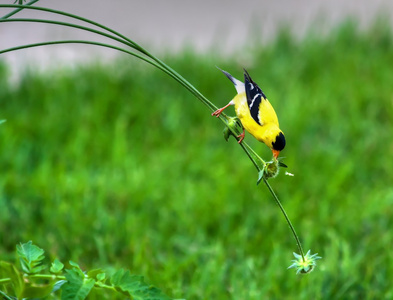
column 117, row 39
column 150, row 61
column 82, row 42
column 47, row 276
column 62, row 13
column 299, row 246
column 130, row 43
column 257, row 156
column 61, row 277
column 56, row 277
column 18, row 9
column 245, row 148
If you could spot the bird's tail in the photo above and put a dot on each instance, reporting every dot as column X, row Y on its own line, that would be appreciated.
column 238, row 84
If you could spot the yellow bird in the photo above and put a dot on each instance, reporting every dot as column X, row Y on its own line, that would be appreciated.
column 256, row 114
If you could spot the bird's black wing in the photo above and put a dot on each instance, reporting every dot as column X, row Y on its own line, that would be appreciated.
column 254, row 97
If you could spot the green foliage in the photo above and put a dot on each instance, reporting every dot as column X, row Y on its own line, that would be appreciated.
column 57, row 266
column 119, row 167
column 15, row 280
column 134, row 286
column 17, row 284
column 77, row 286
column 30, row 257
column 73, row 285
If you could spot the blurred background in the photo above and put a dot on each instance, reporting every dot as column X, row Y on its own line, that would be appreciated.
column 224, row 26
column 109, row 162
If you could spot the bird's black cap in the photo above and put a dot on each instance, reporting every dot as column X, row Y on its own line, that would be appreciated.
column 279, row 144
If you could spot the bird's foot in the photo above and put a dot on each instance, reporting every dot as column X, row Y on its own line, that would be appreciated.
column 241, row 137
column 218, row 112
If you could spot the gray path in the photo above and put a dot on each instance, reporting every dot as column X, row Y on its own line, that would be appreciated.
column 169, row 24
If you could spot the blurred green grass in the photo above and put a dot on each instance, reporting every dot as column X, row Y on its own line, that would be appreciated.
column 116, row 165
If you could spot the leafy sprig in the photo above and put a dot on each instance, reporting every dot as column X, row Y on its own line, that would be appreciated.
column 30, row 280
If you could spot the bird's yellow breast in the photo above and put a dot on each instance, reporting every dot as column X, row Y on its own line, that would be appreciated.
column 268, row 128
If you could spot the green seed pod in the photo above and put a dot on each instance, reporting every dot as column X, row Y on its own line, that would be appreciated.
column 271, row 169
column 232, row 123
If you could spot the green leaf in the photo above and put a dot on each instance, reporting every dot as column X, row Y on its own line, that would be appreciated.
column 16, row 283
column 2, row 121
column 94, row 273
column 76, row 268
column 101, row 277
column 260, row 175
column 30, row 257
column 135, row 286
column 74, row 264
column 77, row 287
column 58, row 285
column 57, row 266
column 126, row 282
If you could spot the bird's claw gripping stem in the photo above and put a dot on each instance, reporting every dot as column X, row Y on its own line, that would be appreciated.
column 218, row 112
column 241, row 136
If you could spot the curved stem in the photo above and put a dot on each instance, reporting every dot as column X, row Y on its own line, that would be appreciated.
column 82, row 42
column 68, row 25
column 245, row 147
column 18, row 9
column 58, row 12
column 184, row 83
column 127, row 41
column 256, row 155
column 299, row 246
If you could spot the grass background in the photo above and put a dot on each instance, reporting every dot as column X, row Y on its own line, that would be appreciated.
column 116, row 165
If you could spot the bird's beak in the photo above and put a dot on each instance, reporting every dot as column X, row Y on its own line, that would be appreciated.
column 275, row 153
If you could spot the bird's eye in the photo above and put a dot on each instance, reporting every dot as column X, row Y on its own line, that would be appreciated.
column 279, row 144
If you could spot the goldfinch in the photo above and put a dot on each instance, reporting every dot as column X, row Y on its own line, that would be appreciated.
column 256, row 114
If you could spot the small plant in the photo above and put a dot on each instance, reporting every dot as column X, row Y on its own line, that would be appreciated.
column 36, row 279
